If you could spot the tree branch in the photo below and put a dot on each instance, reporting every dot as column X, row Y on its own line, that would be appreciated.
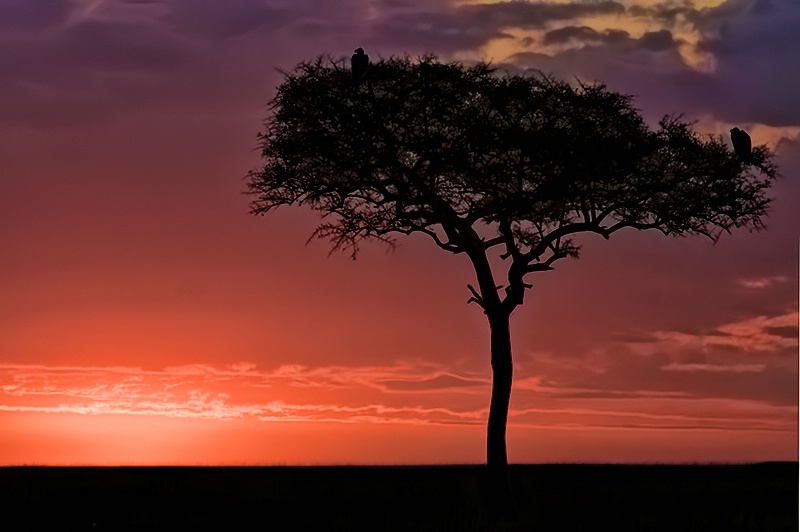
column 547, row 241
column 476, row 297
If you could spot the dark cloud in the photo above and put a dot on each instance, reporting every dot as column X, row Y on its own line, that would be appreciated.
column 568, row 33
column 652, row 41
column 666, row 12
column 614, row 57
column 469, row 26
column 754, row 42
column 615, row 36
column 536, row 15
column 586, row 34
column 657, row 41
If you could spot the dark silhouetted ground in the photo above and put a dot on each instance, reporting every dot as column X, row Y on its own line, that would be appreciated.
column 758, row 497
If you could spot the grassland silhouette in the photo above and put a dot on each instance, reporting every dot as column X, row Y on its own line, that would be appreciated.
column 646, row 498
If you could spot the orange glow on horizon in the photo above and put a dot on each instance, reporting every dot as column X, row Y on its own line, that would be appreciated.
column 74, row 439
column 238, row 414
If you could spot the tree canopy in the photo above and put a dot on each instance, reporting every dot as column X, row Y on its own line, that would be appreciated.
column 476, row 159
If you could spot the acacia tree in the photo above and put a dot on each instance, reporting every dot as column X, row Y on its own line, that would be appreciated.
column 485, row 163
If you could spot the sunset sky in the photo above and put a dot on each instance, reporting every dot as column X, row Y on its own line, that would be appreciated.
column 147, row 318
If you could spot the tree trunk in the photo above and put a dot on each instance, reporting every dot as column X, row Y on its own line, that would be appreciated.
column 502, row 373
column 498, row 495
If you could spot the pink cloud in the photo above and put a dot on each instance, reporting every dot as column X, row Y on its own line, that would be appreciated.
column 205, row 391
column 763, row 282
column 714, row 368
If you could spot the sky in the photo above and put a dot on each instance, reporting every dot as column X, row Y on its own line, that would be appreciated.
column 146, row 317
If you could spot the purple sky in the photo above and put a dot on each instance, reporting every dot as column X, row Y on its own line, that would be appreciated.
column 127, row 128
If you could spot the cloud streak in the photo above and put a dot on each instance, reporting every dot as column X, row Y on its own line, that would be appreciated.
column 204, row 391
column 405, row 393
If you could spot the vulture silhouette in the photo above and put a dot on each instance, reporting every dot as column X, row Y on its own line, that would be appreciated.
column 358, row 63
column 741, row 144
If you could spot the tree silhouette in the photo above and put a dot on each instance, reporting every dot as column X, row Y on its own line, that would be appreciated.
column 484, row 163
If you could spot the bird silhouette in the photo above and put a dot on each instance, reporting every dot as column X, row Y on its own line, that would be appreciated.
column 358, row 63
column 741, row 144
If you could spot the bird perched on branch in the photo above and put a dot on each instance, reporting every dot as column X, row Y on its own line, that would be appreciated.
column 741, row 144
column 358, row 63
